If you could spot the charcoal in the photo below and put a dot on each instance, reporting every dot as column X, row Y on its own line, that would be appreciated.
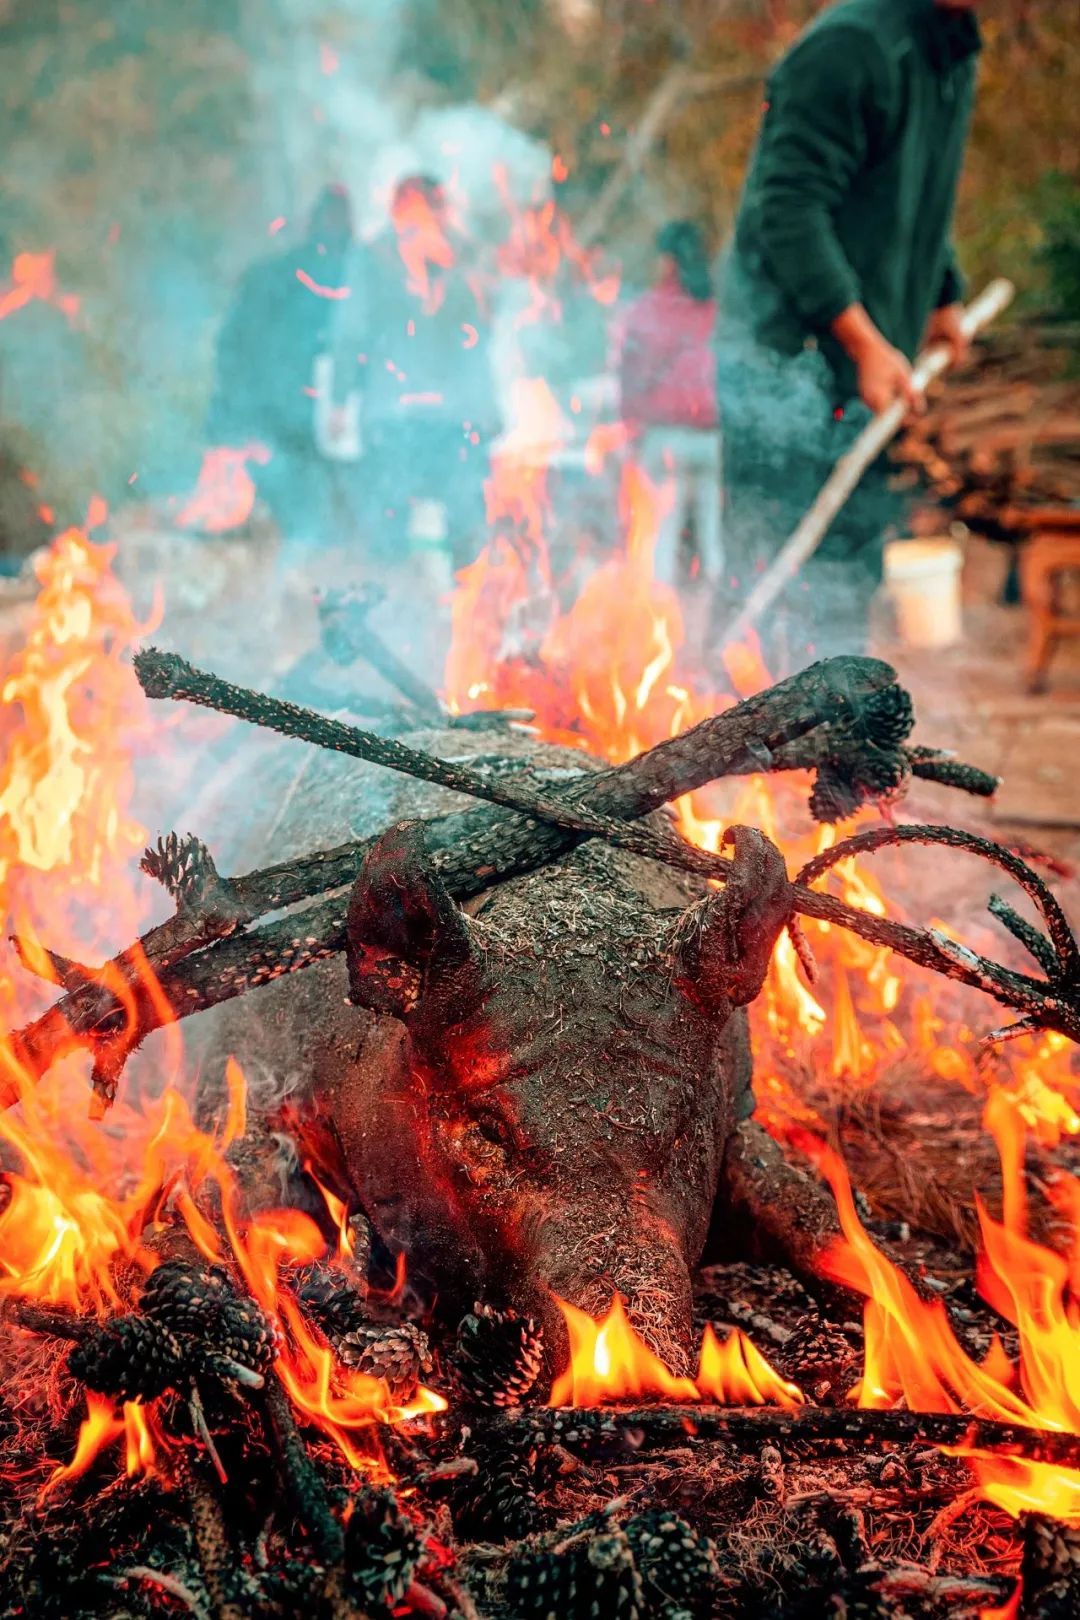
column 382, row 1547
column 498, row 1357
column 400, row 1355
column 678, row 1567
column 131, row 1358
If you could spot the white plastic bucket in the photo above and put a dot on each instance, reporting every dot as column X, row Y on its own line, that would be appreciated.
column 923, row 579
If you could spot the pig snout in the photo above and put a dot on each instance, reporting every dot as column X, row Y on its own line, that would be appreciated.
column 590, row 1248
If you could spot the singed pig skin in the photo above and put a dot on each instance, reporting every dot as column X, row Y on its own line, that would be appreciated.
column 550, row 1113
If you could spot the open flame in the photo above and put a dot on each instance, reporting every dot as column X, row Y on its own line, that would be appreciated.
column 609, row 1361
column 912, row 1353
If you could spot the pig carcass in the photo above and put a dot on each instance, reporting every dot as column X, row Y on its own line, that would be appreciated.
column 540, row 1095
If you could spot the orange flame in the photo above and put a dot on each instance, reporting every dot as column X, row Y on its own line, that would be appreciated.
column 913, row 1354
column 610, row 1362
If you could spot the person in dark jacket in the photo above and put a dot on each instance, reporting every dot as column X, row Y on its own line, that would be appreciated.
column 842, row 265
column 415, row 342
column 276, row 328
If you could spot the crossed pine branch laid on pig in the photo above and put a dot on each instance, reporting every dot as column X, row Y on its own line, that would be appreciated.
column 540, row 1095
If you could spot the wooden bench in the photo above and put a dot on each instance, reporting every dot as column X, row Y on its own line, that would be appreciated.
column 1051, row 552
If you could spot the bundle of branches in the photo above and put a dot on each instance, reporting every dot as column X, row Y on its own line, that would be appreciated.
column 844, row 718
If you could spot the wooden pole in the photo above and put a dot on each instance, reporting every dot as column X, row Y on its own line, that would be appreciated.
column 813, row 527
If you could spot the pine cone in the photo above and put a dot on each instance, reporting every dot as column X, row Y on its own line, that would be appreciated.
column 833, row 797
column 131, row 1358
column 186, row 1297
column 499, row 1503
column 880, row 773
column 1050, row 1568
column 200, row 1302
column 246, row 1334
column 677, row 1566
column 382, row 1547
column 820, row 1357
column 330, row 1300
column 400, row 1355
column 498, row 1356
column 594, row 1581
column 887, row 718
column 183, row 866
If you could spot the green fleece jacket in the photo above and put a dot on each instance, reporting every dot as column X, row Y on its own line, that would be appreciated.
column 849, row 198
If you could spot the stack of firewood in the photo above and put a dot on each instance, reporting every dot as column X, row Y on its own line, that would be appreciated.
column 1002, row 441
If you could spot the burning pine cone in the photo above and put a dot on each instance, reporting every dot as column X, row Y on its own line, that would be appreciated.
column 200, row 1303
column 183, row 866
column 331, row 1301
column 594, row 1580
column 1050, row 1569
column 399, row 1355
column 821, row 1357
column 382, row 1548
column 678, row 1567
column 131, row 1358
column 887, row 718
column 498, row 1356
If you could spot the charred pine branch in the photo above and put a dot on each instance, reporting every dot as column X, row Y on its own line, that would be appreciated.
column 1034, row 942
column 1061, row 947
column 471, row 850
column 599, row 1429
column 937, row 766
column 51, row 966
column 302, row 1480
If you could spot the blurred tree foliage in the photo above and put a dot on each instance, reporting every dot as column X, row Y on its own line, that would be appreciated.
column 136, row 144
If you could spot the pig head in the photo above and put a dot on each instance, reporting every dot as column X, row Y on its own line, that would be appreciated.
column 539, row 1101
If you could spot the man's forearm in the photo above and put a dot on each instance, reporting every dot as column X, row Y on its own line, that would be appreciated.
column 855, row 332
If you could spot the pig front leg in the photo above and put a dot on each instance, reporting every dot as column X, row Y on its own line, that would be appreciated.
column 781, row 1213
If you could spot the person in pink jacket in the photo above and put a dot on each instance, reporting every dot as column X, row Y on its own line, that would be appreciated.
column 667, row 386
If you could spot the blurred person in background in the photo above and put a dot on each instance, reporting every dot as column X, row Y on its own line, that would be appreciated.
column 278, row 326
column 842, row 266
column 416, row 343
column 667, row 386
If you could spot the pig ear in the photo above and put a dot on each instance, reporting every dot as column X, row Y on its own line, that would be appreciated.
column 720, row 947
column 403, row 928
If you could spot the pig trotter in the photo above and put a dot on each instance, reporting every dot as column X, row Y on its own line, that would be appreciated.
column 781, row 1213
column 779, row 1210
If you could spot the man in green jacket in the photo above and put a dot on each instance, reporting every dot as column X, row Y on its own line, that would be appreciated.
column 842, row 266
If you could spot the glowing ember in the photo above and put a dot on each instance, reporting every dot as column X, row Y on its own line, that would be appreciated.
column 610, row 1362
column 33, row 280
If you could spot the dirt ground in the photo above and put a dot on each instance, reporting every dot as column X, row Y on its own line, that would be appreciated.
column 973, row 698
